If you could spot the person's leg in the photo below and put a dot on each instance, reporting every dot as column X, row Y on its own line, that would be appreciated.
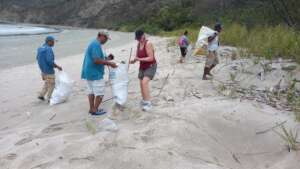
column 98, row 101
column 208, row 65
column 99, row 89
column 212, row 66
column 91, row 96
column 205, row 73
column 43, row 92
column 215, row 61
column 141, row 77
column 50, row 85
column 91, row 102
column 145, row 88
column 141, row 87
column 183, row 54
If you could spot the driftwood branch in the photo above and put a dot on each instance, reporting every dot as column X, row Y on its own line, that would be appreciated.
column 165, row 82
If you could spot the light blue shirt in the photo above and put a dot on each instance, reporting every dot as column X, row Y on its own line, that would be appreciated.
column 90, row 70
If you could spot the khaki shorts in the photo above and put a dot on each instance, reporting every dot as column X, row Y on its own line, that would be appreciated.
column 212, row 59
column 150, row 72
column 96, row 87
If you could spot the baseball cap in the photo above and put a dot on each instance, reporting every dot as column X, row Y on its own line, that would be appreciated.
column 139, row 34
column 49, row 38
column 104, row 33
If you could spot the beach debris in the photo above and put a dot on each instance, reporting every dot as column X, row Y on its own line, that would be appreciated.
column 11, row 156
column 261, row 84
column 164, row 83
column 289, row 68
column 235, row 158
column 52, row 117
column 169, row 98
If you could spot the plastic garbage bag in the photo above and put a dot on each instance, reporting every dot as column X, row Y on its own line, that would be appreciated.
column 119, row 80
column 204, row 33
column 202, row 41
column 108, row 125
column 63, row 88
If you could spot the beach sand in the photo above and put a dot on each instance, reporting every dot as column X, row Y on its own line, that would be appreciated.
column 190, row 127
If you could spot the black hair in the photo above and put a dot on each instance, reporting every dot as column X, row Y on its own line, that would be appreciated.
column 138, row 34
column 186, row 32
column 218, row 27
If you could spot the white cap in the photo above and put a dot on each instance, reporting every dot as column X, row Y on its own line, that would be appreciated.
column 105, row 33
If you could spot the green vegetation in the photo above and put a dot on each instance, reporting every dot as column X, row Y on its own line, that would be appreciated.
column 262, row 28
column 264, row 41
column 290, row 137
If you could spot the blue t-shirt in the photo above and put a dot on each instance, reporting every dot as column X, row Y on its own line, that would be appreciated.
column 45, row 59
column 90, row 70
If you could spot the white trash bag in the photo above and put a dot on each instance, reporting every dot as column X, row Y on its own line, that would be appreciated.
column 119, row 80
column 204, row 33
column 63, row 88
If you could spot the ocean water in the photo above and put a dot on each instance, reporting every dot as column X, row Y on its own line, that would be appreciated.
column 9, row 30
column 19, row 50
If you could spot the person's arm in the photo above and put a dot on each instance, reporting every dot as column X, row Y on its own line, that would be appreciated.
column 58, row 67
column 136, row 56
column 105, row 62
column 150, row 54
column 50, row 60
column 211, row 38
column 97, row 55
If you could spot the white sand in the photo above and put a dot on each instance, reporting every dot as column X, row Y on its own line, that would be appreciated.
column 213, row 132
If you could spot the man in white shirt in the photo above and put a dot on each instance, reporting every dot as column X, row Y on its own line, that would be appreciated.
column 212, row 58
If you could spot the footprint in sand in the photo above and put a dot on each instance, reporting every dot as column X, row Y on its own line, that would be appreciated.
column 43, row 166
column 24, row 141
column 82, row 160
column 53, row 128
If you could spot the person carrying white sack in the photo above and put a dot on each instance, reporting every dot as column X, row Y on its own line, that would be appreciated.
column 46, row 61
column 93, row 72
column 213, row 45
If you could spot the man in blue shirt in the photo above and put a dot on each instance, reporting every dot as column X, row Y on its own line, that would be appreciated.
column 93, row 71
column 45, row 58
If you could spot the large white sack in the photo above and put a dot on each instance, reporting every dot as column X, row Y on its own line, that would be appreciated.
column 204, row 33
column 63, row 88
column 119, row 80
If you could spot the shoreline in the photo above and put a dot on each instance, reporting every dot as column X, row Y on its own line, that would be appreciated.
column 21, row 50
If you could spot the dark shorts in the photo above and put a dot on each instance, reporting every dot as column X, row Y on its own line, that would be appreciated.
column 183, row 51
column 150, row 72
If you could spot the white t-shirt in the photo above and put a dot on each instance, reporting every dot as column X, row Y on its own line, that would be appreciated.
column 214, row 44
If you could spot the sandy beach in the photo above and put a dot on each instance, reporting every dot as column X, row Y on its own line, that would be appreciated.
column 191, row 125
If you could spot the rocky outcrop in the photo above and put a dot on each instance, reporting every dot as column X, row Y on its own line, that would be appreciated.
column 91, row 13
